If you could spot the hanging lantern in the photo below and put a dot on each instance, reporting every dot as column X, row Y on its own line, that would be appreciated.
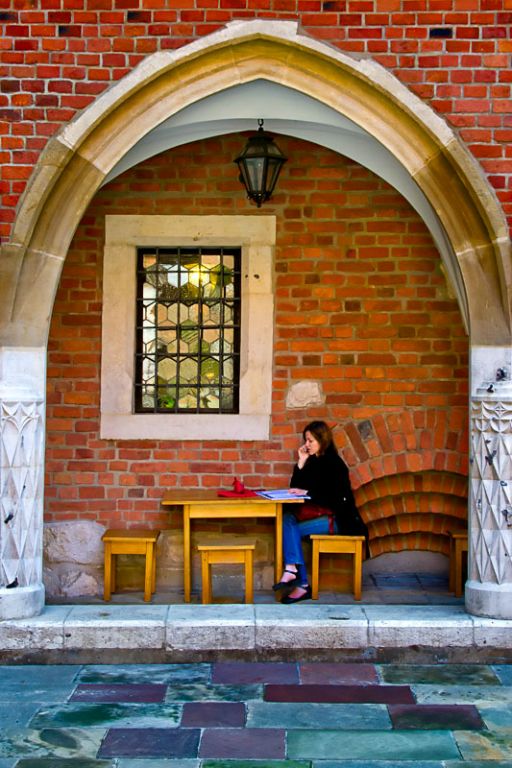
column 260, row 164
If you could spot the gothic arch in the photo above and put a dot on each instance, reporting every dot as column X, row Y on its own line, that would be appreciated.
column 79, row 158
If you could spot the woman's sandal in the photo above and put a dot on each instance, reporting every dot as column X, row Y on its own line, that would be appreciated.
column 290, row 600
column 282, row 584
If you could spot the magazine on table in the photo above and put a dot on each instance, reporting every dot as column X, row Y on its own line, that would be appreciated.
column 282, row 494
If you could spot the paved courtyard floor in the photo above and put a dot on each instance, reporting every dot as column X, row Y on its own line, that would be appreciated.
column 240, row 714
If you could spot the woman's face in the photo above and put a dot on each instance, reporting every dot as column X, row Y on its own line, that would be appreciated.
column 312, row 444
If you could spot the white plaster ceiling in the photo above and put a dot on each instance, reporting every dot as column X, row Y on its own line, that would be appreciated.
column 289, row 112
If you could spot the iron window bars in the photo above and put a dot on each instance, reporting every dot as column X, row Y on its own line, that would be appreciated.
column 188, row 330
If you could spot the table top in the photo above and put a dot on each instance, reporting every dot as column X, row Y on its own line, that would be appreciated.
column 210, row 496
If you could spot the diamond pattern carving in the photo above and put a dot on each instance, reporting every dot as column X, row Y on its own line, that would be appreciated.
column 21, row 492
column 491, row 490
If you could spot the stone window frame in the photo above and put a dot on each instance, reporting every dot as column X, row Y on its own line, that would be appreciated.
column 256, row 236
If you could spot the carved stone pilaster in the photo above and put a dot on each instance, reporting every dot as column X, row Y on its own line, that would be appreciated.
column 21, row 482
column 21, row 488
column 489, row 589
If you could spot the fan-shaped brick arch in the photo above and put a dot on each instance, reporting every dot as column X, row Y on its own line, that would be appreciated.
column 409, row 473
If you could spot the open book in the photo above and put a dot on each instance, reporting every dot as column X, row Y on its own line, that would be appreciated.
column 281, row 494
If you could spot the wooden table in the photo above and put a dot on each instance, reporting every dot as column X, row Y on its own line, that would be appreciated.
column 206, row 505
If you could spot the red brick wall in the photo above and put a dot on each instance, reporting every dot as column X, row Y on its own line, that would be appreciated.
column 58, row 56
column 361, row 306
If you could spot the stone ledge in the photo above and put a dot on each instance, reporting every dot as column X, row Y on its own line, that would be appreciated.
column 181, row 632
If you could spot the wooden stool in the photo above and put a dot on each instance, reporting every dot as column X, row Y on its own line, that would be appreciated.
column 226, row 552
column 132, row 542
column 458, row 545
column 352, row 545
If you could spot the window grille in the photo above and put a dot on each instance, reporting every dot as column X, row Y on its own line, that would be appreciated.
column 188, row 330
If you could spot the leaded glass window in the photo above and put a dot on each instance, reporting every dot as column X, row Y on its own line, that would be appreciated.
column 188, row 330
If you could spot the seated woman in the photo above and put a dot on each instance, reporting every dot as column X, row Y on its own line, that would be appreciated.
column 322, row 475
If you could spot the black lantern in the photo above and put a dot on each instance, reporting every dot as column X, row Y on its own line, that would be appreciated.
column 260, row 164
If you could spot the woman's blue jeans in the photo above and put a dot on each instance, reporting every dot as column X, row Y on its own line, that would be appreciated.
column 293, row 533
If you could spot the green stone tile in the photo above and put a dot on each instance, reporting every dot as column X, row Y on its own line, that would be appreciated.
column 263, row 714
column 20, row 715
column 44, row 675
column 51, row 742
column 145, row 673
column 108, row 716
column 496, row 717
column 202, row 692
column 457, row 674
column 463, row 694
column 381, row 764
column 504, row 673
column 158, row 762
column 371, row 745
column 52, row 762
column 256, row 764
column 475, row 764
column 485, row 745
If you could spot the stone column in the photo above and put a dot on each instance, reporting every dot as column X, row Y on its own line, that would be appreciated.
column 489, row 588
column 22, row 390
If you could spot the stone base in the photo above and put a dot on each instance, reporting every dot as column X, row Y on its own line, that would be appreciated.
column 21, row 602
column 491, row 600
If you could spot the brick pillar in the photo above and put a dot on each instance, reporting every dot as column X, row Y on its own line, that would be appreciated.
column 489, row 588
column 22, row 387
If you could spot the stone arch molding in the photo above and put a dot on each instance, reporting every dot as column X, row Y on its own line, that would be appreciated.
column 77, row 161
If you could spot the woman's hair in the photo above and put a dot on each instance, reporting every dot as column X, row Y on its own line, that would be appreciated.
column 323, row 434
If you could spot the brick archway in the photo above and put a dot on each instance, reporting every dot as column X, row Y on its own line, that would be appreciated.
column 409, row 478
column 77, row 161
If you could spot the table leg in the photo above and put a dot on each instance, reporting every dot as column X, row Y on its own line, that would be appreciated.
column 278, row 560
column 187, row 576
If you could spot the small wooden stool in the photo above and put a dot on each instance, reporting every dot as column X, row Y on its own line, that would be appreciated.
column 352, row 545
column 226, row 552
column 458, row 545
column 131, row 542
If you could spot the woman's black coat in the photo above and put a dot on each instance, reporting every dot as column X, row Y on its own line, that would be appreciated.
column 326, row 479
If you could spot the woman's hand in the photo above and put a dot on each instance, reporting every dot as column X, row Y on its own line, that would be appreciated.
column 298, row 491
column 303, row 455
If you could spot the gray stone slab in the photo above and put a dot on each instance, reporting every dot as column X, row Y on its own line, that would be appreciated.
column 435, row 626
column 462, row 694
column 310, row 625
column 45, row 632
column 262, row 714
column 210, row 627
column 372, row 745
column 116, row 626
column 36, row 683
